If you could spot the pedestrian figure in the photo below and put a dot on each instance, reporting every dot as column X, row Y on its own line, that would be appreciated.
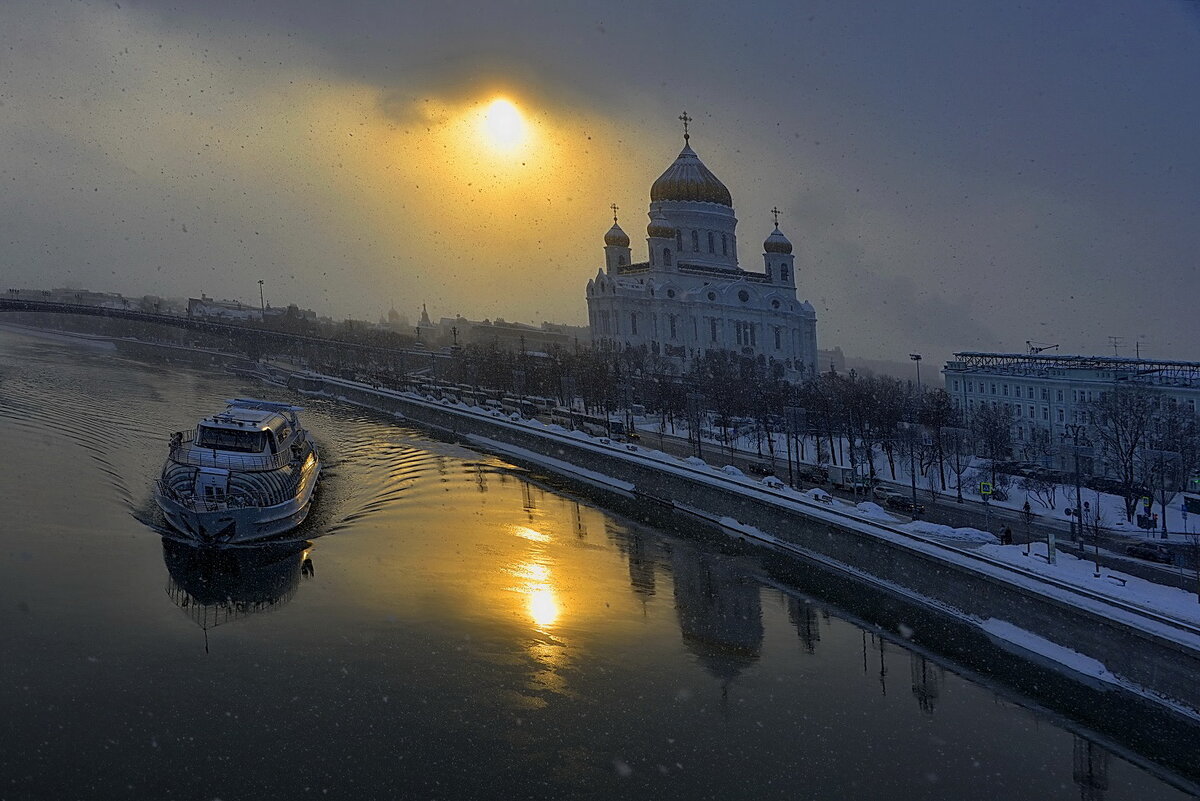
column 1006, row 537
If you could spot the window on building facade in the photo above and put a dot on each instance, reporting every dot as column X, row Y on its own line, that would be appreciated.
column 1045, row 412
column 679, row 240
column 993, row 389
column 1045, row 394
column 667, row 257
column 1059, row 397
column 1031, row 413
column 695, row 242
column 1029, row 392
column 783, row 272
column 776, row 337
column 1006, row 390
column 724, row 245
column 969, row 389
column 633, row 322
column 768, row 272
column 671, row 322
column 712, row 322
column 1062, row 417
column 711, row 246
column 956, row 390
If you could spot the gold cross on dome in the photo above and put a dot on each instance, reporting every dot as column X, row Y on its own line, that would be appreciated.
column 685, row 119
column 614, row 208
column 775, row 212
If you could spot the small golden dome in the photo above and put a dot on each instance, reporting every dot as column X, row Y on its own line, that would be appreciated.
column 660, row 227
column 616, row 237
column 777, row 242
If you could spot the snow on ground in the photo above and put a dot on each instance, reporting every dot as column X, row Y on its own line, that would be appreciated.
column 938, row 531
column 818, row 494
column 873, row 511
column 1003, row 630
column 1112, row 507
column 1071, row 569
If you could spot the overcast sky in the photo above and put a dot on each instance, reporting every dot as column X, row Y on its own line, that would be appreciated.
column 954, row 176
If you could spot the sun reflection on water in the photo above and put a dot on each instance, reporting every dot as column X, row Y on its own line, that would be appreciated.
column 541, row 600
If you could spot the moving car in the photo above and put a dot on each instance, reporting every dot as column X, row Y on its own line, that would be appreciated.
column 904, row 503
column 1154, row 553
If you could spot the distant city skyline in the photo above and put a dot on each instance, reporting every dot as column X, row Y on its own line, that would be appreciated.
column 953, row 178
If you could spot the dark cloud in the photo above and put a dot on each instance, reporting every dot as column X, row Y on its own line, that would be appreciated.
column 954, row 175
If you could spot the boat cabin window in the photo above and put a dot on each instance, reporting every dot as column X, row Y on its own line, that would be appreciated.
column 224, row 439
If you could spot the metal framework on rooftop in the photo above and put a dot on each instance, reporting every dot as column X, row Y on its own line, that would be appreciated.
column 1126, row 368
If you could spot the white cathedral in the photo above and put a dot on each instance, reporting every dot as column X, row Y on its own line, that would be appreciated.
column 691, row 296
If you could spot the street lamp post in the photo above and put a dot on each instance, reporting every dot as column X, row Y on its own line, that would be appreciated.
column 1077, row 432
column 262, row 302
column 695, row 402
column 916, row 357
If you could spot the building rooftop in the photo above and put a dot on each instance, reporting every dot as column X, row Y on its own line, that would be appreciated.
column 1128, row 367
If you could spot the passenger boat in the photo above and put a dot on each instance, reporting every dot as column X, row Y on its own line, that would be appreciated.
column 246, row 474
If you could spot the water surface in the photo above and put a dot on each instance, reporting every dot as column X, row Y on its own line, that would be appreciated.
column 449, row 626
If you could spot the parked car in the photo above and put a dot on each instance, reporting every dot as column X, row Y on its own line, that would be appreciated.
column 813, row 474
column 1154, row 553
column 883, row 492
column 760, row 469
column 904, row 503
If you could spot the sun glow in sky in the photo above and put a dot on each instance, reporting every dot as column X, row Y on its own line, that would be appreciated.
column 503, row 126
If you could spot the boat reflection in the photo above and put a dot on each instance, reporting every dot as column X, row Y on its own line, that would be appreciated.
column 220, row 585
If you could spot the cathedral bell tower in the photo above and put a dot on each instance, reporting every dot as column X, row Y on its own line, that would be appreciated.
column 616, row 246
column 778, row 261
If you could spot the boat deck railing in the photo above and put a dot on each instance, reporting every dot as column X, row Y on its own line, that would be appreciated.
column 185, row 451
column 258, row 497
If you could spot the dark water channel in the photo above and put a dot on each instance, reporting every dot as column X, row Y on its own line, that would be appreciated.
column 454, row 629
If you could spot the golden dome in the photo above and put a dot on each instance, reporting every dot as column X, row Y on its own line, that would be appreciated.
column 660, row 227
column 777, row 242
column 616, row 237
column 688, row 179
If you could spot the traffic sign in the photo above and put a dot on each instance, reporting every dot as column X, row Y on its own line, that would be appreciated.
column 985, row 488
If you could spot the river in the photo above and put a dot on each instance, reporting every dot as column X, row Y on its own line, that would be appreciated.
column 450, row 626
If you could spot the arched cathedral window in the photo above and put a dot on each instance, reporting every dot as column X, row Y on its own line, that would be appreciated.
column 667, row 257
column 783, row 272
column 679, row 240
column 711, row 247
column 724, row 245
column 695, row 242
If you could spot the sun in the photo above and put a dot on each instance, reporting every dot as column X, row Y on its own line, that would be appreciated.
column 503, row 126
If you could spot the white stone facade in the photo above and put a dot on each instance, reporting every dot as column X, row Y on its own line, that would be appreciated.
column 1048, row 394
column 689, row 295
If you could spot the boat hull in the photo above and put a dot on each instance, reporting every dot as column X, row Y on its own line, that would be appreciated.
column 240, row 525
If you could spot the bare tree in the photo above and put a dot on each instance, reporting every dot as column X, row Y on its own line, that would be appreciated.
column 991, row 426
column 1121, row 419
column 1043, row 487
column 937, row 412
column 955, row 442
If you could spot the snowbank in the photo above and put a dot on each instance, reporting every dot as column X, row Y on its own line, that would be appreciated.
column 874, row 511
column 941, row 532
